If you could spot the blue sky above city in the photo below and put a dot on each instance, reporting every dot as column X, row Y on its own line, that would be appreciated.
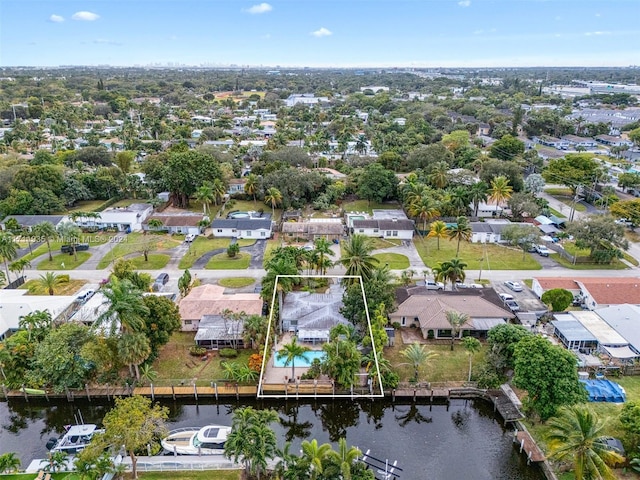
column 319, row 33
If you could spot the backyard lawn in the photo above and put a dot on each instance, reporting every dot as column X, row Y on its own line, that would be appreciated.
column 495, row 257
column 156, row 261
column 64, row 261
column 92, row 239
column 175, row 364
column 222, row 261
column 365, row 206
column 395, row 261
column 68, row 288
column 202, row 245
column 615, row 265
column 135, row 242
column 250, row 206
column 86, row 205
column 236, row 282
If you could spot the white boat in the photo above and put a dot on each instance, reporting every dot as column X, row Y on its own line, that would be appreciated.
column 207, row 440
column 75, row 439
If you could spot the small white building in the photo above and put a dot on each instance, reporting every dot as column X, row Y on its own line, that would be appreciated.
column 15, row 304
column 242, row 228
column 121, row 218
column 401, row 229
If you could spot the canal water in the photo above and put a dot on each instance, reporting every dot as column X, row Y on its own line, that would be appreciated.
column 462, row 440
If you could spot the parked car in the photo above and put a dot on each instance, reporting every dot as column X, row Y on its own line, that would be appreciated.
column 542, row 250
column 162, row 279
column 190, row 237
column 625, row 222
column 431, row 285
column 512, row 305
column 515, row 286
column 84, row 296
column 505, row 296
column 69, row 248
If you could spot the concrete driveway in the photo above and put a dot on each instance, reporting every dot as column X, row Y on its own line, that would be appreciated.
column 409, row 250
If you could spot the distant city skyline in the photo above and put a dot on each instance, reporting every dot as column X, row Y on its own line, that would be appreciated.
column 320, row 33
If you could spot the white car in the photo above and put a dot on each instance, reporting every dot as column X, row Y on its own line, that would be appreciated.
column 190, row 237
column 431, row 285
column 542, row 250
column 505, row 296
column 515, row 286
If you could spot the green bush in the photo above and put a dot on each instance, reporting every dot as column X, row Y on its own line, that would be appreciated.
column 197, row 351
column 228, row 353
column 64, row 278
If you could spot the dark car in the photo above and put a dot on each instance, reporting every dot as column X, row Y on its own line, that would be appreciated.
column 162, row 279
column 79, row 248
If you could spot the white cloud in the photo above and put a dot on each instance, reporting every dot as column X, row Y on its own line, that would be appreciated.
column 322, row 32
column 85, row 16
column 593, row 34
column 464, row 3
column 260, row 8
column 56, row 18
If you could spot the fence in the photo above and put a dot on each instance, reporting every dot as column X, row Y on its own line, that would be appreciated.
column 566, row 255
column 18, row 282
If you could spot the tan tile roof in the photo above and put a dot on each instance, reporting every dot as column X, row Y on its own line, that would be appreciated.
column 211, row 300
column 551, row 283
column 431, row 309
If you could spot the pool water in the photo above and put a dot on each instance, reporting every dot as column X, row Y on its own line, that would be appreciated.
column 304, row 361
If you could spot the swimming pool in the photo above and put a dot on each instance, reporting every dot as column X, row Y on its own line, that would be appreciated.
column 604, row 391
column 304, row 361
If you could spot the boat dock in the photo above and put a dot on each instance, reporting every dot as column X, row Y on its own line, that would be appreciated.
column 529, row 446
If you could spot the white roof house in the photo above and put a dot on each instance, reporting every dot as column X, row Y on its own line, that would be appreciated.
column 122, row 218
column 625, row 319
column 16, row 303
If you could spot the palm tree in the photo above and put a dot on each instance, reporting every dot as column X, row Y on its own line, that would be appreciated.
column 418, row 356
column 19, row 266
column 472, row 346
column 204, row 194
column 8, row 250
column 457, row 321
column 451, row 270
column 425, row 209
column 500, row 190
column 576, row 433
column 478, row 192
column 438, row 176
column 323, row 248
column 357, row 258
column 39, row 321
column 9, row 463
column 346, row 457
column 290, row 352
column 49, row 282
column 57, row 461
column 460, row 231
column 70, row 233
column 251, row 187
column 315, row 454
column 459, row 200
column 133, row 349
column 273, row 197
column 438, row 229
column 219, row 189
column 124, row 304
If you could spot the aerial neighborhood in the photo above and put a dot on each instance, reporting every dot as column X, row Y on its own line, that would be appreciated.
column 327, row 234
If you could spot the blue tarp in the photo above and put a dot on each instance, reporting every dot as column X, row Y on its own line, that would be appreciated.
column 604, row 391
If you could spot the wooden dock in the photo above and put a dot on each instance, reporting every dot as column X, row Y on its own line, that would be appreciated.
column 529, row 447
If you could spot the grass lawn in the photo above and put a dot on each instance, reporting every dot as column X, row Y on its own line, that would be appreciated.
column 156, row 261
column 135, row 242
column 272, row 244
column 563, row 191
column 447, row 366
column 222, row 261
column 630, row 259
column 69, row 288
column 92, row 239
column 236, row 282
column 555, row 212
column 496, row 257
column 64, row 261
column 54, row 476
column 571, row 248
column 190, row 475
column 379, row 243
column 202, row 245
column 365, row 206
column 250, row 206
column 86, row 205
column 174, row 364
column 394, row 260
column 615, row 265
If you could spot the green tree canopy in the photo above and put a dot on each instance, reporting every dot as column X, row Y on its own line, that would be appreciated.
column 507, row 148
column 558, row 298
column 572, row 170
column 377, row 183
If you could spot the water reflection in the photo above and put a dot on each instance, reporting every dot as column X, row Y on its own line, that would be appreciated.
column 463, row 439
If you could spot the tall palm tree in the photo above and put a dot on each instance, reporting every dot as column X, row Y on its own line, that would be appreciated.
column 346, row 457
column 124, row 304
column 438, row 176
column 44, row 231
column 357, row 258
column 49, row 282
column 133, row 349
column 290, row 352
column 315, row 454
column 70, row 234
column 273, row 197
column 251, row 187
column 424, row 208
column 417, row 355
column 8, row 250
column 460, row 231
column 472, row 346
column 457, row 321
column 323, row 248
column 438, row 230
column 478, row 192
column 450, row 270
column 577, row 434
column 204, row 194
column 218, row 188
column 459, row 200
column 500, row 190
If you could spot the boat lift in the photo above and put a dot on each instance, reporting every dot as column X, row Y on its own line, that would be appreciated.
column 383, row 468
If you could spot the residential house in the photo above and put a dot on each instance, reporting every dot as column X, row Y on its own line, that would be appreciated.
column 573, row 335
column 217, row 331
column 488, row 210
column 186, row 223
column 490, row 231
column 612, row 141
column 401, row 229
column 329, row 228
column 624, row 319
column 123, row 219
column 483, row 129
column 428, row 313
column 27, row 222
column 236, row 186
column 253, row 228
column 557, row 143
column 207, row 300
column 594, row 293
column 575, row 141
column 305, row 99
column 15, row 304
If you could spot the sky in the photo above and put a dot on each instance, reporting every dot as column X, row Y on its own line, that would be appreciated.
column 320, row 33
